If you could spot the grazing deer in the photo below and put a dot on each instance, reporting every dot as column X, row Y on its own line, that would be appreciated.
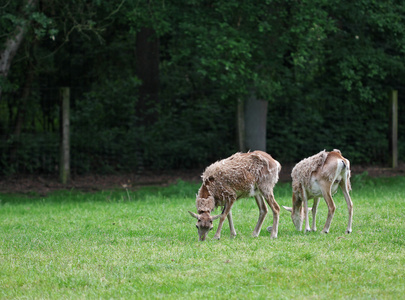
column 319, row 176
column 239, row 176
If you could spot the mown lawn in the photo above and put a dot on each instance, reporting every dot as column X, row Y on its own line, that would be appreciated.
column 144, row 245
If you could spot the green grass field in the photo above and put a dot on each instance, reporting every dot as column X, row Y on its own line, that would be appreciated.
column 144, row 245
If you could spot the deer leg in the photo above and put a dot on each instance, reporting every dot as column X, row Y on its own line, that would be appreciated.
column 305, row 202
column 349, row 202
column 331, row 206
column 224, row 214
column 231, row 227
column 276, row 214
column 314, row 208
column 262, row 214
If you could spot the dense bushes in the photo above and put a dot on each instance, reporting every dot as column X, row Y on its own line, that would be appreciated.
column 194, row 134
column 156, row 84
column 299, row 128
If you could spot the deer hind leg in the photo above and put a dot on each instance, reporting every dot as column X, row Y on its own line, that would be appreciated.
column 345, row 190
column 326, row 192
column 224, row 214
column 231, row 227
column 262, row 214
column 314, row 210
column 276, row 214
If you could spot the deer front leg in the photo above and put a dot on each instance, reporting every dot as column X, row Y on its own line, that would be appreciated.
column 262, row 214
column 224, row 214
column 231, row 227
column 314, row 210
column 331, row 208
column 306, row 215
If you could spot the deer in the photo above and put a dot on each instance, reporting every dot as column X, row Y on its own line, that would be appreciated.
column 320, row 176
column 242, row 175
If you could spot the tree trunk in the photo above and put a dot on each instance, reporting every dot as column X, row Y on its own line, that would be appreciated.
column 255, row 123
column 12, row 45
column 147, row 70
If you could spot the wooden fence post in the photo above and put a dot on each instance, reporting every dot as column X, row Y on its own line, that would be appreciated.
column 64, row 164
column 394, row 129
column 241, row 125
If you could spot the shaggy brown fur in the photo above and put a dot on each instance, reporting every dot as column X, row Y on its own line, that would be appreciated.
column 301, row 173
column 236, row 177
column 241, row 175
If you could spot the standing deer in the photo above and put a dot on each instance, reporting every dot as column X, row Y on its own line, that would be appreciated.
column 319, row 176
column 239, row 176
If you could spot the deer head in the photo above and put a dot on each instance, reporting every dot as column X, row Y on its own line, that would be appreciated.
column 204, row 223
column 297, row 212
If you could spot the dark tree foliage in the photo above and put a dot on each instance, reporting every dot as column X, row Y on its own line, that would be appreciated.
column 326, row 68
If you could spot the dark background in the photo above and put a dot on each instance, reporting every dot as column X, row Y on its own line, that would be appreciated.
column 156, row 85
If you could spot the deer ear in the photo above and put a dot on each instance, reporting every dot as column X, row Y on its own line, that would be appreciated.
column 215, row 217
column 193, row 214
column 288, row 208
